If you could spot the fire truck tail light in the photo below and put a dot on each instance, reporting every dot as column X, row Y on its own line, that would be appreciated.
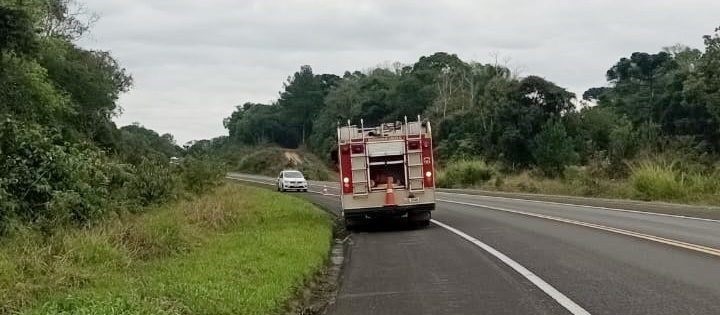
column 346, row 168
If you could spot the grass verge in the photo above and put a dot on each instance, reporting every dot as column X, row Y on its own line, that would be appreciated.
column 238, row 250
column 648, row 180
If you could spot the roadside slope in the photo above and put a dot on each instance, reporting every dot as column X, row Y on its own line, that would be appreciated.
column 270, row 160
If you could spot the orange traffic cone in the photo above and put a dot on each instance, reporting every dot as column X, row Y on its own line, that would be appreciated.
column 390, row 194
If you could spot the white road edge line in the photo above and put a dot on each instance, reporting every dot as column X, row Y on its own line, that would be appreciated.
column 563, row 300
column 582, row 206
column 666, row 241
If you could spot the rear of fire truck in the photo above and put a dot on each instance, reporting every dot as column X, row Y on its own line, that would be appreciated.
column 387, row 170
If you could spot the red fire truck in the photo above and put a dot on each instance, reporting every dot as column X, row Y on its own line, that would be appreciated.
column 387, row 170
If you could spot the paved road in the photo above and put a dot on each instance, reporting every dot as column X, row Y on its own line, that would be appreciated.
column 576, row 260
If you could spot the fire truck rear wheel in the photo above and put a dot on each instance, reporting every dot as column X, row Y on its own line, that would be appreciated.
column 352, row 223
column 419, row 219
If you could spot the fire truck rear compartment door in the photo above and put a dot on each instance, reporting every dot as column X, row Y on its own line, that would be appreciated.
column 386, row 148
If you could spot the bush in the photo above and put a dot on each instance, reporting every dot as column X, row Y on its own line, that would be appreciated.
column 152, row 182
column 465, row 173
column 582, row 179
column 657, row 181
column 49, row 182
column 200, row 174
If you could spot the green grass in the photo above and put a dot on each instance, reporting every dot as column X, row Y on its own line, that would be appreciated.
column 239, row 250
column 656, row 181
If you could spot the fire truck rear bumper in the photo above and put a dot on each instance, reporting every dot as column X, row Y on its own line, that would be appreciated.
column 390, row 210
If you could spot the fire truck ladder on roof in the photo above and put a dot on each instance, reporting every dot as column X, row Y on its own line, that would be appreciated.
column 358, row 163
column 414, row 157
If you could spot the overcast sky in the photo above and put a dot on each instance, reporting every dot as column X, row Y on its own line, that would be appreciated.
column 193, row 60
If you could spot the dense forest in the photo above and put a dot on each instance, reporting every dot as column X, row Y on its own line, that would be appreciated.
column 62, row 158
column 663, row 104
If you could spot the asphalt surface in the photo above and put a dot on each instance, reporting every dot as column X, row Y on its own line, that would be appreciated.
column 392, row 269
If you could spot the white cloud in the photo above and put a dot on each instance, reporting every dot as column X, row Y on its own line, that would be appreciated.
column 194, row 60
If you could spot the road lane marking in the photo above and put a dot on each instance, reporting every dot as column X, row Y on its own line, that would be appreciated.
column 582, row 206
column 671, row 242
column 563, row 300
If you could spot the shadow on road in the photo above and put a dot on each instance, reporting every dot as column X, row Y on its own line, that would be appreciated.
column 384, row 225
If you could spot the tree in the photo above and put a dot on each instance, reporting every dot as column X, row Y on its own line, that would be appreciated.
column 16, row 32
column 258, row 123
column 553, row 149
column 137, row 143
column 668, row 89
column 638, row 83
column 704, row 85
column 303, row 97
column 594, row 94
column 94, row 81
column 66, row 19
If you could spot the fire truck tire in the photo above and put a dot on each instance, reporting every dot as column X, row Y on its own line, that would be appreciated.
column 419, row 219
column 352, row 223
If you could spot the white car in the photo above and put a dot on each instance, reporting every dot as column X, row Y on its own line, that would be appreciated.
column 291, row 180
